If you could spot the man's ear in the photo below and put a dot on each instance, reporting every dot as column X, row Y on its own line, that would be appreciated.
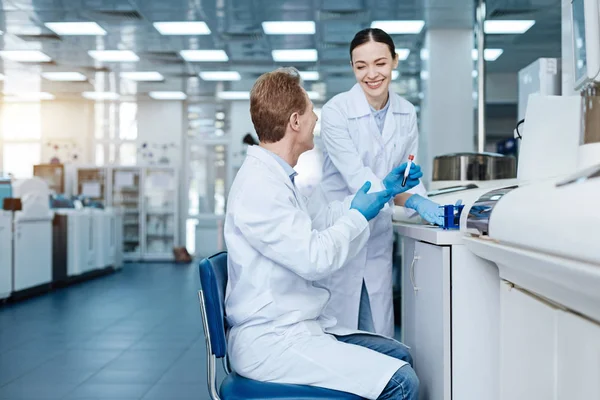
column 295, row 121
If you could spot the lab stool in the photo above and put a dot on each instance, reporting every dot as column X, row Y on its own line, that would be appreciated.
column 213, row 280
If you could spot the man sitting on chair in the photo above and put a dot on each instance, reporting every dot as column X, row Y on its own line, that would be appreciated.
column 277, row 250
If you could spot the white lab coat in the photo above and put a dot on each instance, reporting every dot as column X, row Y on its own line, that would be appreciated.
column 275, row 253
column 354, row 152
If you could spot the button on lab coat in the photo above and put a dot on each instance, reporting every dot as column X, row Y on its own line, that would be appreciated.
column 356, row 151
column 275, row 253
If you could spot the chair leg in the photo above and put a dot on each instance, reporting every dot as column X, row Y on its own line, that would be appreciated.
column 210, row 357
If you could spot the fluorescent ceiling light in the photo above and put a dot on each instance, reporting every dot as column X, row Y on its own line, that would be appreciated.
column 488, row 54
column 64, row 76
column 220, row 76
column 234, row 95
column 182, row 28
column 424, row 75
column 114, row 55
column 204, row 55
column 402, row 54
column 507, row 27
column 289, row 27
column 25, row 56
column 399, row 27
column 168, row 95
column 100, row 95
column 32, row 96
column 395, row 75
column 305, row 55
column 313, row 95
column 150, row 76
column 309, row 75
column 76, row 28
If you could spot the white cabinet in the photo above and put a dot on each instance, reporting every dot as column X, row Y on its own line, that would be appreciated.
column 578, row 358
column 450, row 316
column 546, row 352
column 527, row 342
column 426, row 315
column 32, row 268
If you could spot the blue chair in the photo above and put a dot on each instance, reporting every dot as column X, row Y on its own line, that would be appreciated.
column 213, row 279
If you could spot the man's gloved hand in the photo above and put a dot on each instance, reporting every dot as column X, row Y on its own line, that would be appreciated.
column 393, row 181
column 427, row 209
column 369, row 204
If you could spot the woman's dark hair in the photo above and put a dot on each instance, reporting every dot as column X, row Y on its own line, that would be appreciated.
column 374, row 35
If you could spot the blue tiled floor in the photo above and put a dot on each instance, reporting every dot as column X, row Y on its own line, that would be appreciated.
column 135, row 334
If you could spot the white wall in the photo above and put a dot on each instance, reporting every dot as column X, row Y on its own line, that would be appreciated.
column 240, row 123
column 162, row 123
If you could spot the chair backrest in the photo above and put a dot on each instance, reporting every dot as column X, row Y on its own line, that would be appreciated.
column 213, row 279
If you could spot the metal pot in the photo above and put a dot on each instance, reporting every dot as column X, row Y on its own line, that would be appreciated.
column 474, row 167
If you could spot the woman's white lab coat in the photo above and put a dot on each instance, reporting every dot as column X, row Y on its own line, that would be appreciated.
column 354, row 152
column 275, row 253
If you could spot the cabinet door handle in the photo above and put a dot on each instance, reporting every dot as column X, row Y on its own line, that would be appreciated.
column 412, row 272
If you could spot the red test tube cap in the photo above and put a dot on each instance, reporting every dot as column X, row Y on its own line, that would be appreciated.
column 411, row 157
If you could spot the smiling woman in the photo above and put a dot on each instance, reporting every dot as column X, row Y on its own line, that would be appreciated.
column 366, row 133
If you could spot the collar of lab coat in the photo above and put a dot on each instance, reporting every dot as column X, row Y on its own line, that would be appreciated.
column 359, row 106
column 272, row 164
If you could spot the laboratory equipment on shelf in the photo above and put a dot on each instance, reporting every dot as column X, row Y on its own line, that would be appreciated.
column 32, row 238
column 126, row 200
column 160, row 213
column 91, row 182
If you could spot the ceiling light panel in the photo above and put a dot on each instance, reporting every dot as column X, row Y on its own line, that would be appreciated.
column 299, row 55
column 289, row 27
column 76, row 28
column 168, row 95
column 310, row 75
column 146, row 76
column 399, row 27
column 233, row 95
column 204, row 55
column 182, row 28
column 488, row 54
column 220, row 75
column 507, row 27
column 113, row 55
column 402, row 54
column 32, row 96
column 25, row 56
column 100, row 95
column 64, row 76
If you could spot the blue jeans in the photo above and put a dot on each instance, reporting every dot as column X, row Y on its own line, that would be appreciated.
column 404, row 384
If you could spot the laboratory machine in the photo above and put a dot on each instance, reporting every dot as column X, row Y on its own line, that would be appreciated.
column 32, row 237
column 73, row 240
column 5, row 253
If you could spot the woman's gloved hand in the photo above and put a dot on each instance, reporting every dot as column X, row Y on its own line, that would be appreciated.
column 393, row 181
column 369, row 204
column 430, row 211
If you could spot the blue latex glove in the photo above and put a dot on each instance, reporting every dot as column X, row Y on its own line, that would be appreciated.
column 369, row 204
column 393, row 181
column 427, row 209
